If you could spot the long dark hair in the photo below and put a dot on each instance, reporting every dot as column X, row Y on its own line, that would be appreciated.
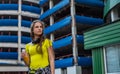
column 41, row 37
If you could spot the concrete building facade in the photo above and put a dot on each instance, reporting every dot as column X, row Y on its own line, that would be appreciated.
column 15, row 19
column 66, row 21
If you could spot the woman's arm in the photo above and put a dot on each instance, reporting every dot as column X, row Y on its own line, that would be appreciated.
column 51, row 59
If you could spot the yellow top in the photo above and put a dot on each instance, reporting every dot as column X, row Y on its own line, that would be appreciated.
column 38, row 60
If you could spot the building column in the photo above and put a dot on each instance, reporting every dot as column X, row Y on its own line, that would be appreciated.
column 51, row 19
column 74, row 32
column 74, row 70
column 19, row 30
column 114, row 15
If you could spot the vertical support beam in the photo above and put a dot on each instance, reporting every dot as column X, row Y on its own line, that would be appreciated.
column 51, row 19
column 105, row 60
column 41, row 11
column 74, row 33
column 114, row 15
column 60, row 71
column 74, row 70
column 19, row 31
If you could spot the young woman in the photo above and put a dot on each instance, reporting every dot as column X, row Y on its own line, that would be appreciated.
column 40, row 51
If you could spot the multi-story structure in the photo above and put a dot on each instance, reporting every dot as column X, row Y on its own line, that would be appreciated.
column 66, row 20
column 15, row 19
column 105, row 41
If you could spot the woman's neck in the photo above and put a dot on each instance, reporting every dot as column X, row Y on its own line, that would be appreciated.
column 36, row 37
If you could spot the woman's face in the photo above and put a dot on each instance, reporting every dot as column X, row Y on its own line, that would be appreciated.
column 37, row 29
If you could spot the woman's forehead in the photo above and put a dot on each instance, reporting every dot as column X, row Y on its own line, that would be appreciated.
column 38, row 24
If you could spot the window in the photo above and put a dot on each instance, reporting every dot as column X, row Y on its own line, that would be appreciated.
column 119, row 11
column 112, row 56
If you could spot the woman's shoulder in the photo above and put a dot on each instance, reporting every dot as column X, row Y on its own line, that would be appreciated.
column 47, row 40
column 28, row 44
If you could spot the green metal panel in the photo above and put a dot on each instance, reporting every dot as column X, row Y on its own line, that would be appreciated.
column 102, row 36
column 98, row 61
column 109, row 4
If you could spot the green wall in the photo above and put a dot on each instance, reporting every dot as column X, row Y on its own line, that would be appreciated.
column 109, row 5
column 97, row 38
column 102, row 36
column 98, row 61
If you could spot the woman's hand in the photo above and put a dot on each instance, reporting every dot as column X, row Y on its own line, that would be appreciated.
column 23, row 53
column 25, row 57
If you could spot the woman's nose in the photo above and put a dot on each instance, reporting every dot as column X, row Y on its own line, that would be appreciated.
column 39, row 27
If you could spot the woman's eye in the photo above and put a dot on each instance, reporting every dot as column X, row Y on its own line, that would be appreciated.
column 36, row 26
